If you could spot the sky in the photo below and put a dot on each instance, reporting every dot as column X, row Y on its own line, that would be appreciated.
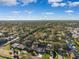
column 39, row 9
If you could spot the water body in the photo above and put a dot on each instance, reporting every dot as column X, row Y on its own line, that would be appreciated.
column 2, row 41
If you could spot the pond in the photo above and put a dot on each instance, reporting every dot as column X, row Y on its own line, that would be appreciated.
column 2, row 41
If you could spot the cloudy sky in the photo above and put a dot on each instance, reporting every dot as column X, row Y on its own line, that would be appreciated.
column 39, row 9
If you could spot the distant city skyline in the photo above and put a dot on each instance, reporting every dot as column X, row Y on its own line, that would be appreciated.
column 39, row 9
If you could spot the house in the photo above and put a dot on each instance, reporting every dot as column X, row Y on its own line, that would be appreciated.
column 1, row 34
column 75, row 33
column 17, row 45
column 39, row 55
column 20, row 46
column 40, row 50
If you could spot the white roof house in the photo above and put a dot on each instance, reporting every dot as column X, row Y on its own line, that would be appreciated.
column 15, row 45
column 1, row 33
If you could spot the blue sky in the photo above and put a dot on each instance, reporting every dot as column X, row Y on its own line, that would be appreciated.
column 39, row 9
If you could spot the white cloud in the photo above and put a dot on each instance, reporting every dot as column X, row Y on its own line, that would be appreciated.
column 54, row 1
column 58, row 4
column 73, row 4
column 28, row 11
column 62, row 4
column 8, row 2
column 55, row 5
column 14, row 2
column 48, row 13
column 15, row 13
column 69, row 11
column 28, row 1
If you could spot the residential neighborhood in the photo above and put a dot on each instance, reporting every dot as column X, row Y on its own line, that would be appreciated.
column 39, row 40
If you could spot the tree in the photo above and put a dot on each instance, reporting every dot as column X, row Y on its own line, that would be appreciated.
column 25, row 56
column 46, row 56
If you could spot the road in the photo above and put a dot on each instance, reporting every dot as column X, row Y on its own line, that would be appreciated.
column 11, row 41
